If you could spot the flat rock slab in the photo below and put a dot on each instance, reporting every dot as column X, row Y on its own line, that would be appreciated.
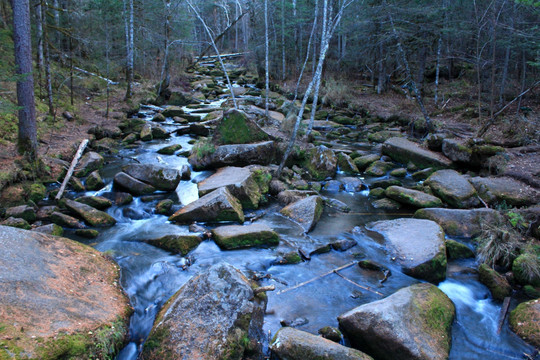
column 215, row 315
column 290, row 343
column 132, row 185
column 239, row 181
column 453, row 188
column 513, row 192
column 405, row 151
column 162, row 178
column 457, row 222
column 237, row 236
column 412, row 197
column 219, row 205
column 305, row 212
column 413, row 323
column 236, row 155
column 89, row 214
column 418, row 246
column 51, row 285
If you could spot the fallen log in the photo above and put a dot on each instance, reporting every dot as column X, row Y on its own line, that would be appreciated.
column 74, row 162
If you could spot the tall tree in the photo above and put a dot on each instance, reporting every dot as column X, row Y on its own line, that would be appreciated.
column 27, row 143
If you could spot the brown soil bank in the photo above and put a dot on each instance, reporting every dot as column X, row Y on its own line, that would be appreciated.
column 60, row 299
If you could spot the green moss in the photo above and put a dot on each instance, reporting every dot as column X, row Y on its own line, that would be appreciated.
column 154, row 348
column 525, row 321
column 496, row 283
column 203, row 147
column 526, row 268
column 36, row 192
column 266, row 238
column 180, row 244
column 262, row 178
column 439, row 314
column 235, row 129
column 433, row 270
column 457, row 250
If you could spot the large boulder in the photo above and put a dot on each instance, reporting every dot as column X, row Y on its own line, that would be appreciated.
column 346, row 164
column 525, row 321
column 89, row 214
column 293, row 344
column 132, row 185
column 236, row 128
column 405, row 151
column 172, row 111
column 234, row 155
column 89, row 162
column 453, row 188
column 305, row 212
column 321, row 163
column 240, row 182
column 219, row 205
column 60, row 299
column 457, row 150
column 412, row 197
column 162, row 178
column 418, row 246
column 413, row 323
column 215, row 315
column 512, row 192
column 237, row 236
column 461, row 223
column 25, row 212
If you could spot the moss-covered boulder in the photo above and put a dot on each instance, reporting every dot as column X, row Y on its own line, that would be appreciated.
column 160, row 177
column 382, row 136
column 92, row 216
column 413, row 323
column 215, row 315
column 178, row 244
column 36, row 192
column 242, row 183
column 525, row 321
column 457, row 250
column 237, row 237
column 159, row 118
column 16, row 223
column 346, row 164
column 495, row 282
column 386, row 204
column 146, row 133
column 236, row 128
column 172, row 111
column 50, row 229
column 210, row 157
column 60, row 299
column 457, row 150
column 305, row 212
column 98, row 202
column 132, row 185
column 89, row 162
column 462, row 223
column 219, row 205
column 405, row 151
column 453, row 188
column 87, row 233
column 418, row 246
column 159, row 133
column 362, row 162
column 94, row 181
column 169, row 150
column 505, row 190
column 25, row 212
column 412, row 197
column 76, row 184
column 321, row 163
column 379, row 168
column 64, row 220
column 164, row 207
column 293, row 344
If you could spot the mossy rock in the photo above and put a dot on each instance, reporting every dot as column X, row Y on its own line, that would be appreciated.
column 178, row 244
column 362, row 162
column 496, row 283
column 457, row 250
column 525, row 321
column 87, row 233
column 36, row 192
column 237, row 128
column 94, row 181
column 379, row 168
column 169, row 150
column 236, row 236
column 164, row 207
column 531, row 291
column 16, row 223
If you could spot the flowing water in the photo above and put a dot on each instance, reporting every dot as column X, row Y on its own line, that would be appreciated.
column 150, row 275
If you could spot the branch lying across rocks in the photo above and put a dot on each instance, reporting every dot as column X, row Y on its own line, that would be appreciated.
column 264, row 289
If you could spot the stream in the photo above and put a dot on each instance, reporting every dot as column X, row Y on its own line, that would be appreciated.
column 150, row 275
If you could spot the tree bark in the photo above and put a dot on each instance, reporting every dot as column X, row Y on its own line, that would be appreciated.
column 27, row 141
column 128, row 23
column 438, row 70
column 46, row 60
column 266, row 65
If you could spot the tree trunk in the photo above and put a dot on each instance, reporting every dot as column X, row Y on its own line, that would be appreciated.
column 39, row 33
column 283, row 76
column 128, row 23
column 266, row 64
column 46, row 62
column 27, row 141
column 438, row 70
column 308, row 49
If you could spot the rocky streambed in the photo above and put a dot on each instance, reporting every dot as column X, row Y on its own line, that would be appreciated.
column 358, row 250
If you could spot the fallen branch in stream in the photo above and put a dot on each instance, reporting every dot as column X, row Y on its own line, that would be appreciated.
column 502, row 316
column 333, row 271
column 74, row 162
column 263, row 289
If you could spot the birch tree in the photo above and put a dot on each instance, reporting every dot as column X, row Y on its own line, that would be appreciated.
column 128, row 23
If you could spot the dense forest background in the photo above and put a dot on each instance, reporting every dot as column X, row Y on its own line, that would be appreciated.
column 481, row 53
